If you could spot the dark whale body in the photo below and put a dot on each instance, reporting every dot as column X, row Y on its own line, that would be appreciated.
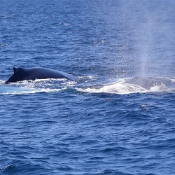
column 21, row 74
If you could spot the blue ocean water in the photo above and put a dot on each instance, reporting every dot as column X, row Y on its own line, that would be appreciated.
column 118, row 118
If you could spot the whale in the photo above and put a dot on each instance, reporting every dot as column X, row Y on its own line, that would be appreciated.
column 21, row 74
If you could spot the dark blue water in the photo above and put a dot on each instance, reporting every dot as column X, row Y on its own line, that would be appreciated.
column 118, row 118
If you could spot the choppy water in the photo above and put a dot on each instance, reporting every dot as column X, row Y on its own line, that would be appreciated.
column 118, row 118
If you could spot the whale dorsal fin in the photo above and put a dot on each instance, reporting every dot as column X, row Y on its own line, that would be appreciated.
column 14, row 69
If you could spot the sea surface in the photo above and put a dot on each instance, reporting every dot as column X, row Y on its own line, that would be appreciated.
column 118, row 118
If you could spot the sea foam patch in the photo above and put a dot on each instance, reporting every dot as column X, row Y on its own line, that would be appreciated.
column 30, row 87
column 134, row 85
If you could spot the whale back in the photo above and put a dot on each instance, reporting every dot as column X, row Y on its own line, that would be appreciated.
column 43, row 73
column 21, row 74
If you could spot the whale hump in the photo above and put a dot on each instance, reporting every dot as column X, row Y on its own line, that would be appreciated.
column 21, row 74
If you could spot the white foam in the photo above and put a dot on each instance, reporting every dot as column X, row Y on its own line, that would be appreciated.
column 23, row 90
column 121, row 86
column 31, row 87
column 116, row 88
column 130, row 85
column 159, row 88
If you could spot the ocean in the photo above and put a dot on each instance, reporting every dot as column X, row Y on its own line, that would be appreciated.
column 118, row 117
